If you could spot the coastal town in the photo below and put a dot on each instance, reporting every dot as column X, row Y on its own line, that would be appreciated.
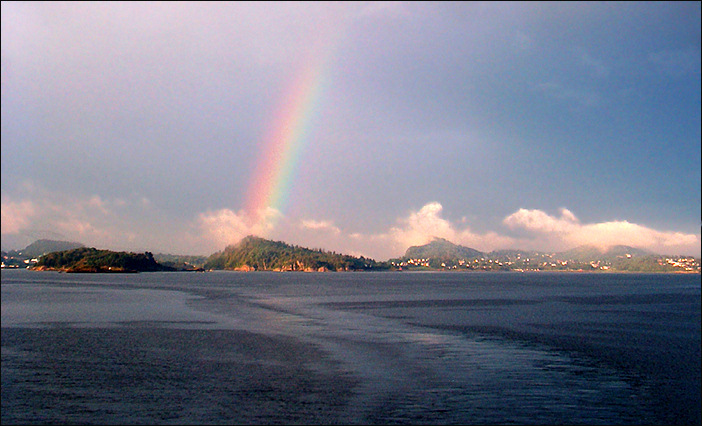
column 552, row 262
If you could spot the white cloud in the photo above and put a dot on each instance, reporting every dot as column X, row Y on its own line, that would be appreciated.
column 422, row 226
column 548, row 233
column 566, row 231
column 225, row 227
column 323, row 225
column 66, row 218
column 90, row 220
column 537, row 220
column 418, row 228
column 98, row 203
column 16, row 215
column 100, row 222
column 426, row 224
column 81, row 229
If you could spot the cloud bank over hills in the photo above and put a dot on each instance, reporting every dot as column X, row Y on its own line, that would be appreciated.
column 97, row 221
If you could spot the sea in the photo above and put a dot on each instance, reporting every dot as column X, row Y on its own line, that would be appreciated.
column 381, row 348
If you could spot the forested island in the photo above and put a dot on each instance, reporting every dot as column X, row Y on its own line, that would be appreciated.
column 258, row 254
column 93, row 260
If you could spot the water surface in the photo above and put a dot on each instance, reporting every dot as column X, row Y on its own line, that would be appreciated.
column 359, row 348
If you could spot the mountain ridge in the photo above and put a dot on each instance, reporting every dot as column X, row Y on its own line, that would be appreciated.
column 443, row 254
column 44, row 246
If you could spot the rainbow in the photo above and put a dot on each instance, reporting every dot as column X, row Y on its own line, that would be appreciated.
column 284, row 143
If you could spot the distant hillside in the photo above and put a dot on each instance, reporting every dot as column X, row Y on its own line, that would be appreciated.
column 514, row 254
column 258, row 254
column 440, row 251
column 94, row 260
column 590, row 253
column 41, row 247
column 181, row 262
column 441, row 254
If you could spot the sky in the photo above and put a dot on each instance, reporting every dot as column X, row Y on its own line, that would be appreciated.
column 357, row 127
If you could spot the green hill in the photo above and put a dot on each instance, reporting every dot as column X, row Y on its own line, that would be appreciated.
column 258, row 254
column 442, row 249
column 93, row 260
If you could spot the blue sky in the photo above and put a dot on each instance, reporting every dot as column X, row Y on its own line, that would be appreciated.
column 138, row 126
